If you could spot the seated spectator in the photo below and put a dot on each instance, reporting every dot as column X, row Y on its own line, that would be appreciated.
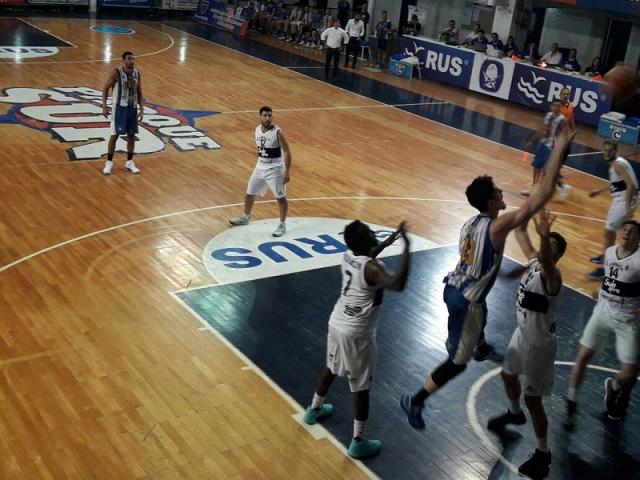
column 594, row 69
column 495, row 42
column 413, row 27
column 571, row 63
column 510, row 47
column 449, row 34
column 530, row 54
column 279, row 19
column 293, row 23
column 553, row 56
column 472, row 35
column 479, row 44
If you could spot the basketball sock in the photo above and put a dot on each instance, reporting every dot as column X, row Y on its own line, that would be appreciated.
column 129, row 156
column 317, row 401
column 419, row 397
column 358, row 428
column 514, row 406
column 572, row 394
column 616, row 386
column 110, row 157
column 542, row 444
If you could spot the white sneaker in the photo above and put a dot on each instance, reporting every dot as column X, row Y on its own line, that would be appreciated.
column 280, row 231
column 525, row 192
column 108, row 165
column 241, row 220
column 131, row 167
column 565, row 190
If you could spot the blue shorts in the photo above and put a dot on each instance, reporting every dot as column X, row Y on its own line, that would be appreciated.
column 466, row 325
column 124, row 120
column 382, row 43
column 541, row 157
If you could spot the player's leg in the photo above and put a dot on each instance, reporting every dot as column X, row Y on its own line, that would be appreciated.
column 275, row 180
column 257, row 186
column 116, row 130
column 618, row 390
column 538, row 465
column 335, row 365
column 130, row 165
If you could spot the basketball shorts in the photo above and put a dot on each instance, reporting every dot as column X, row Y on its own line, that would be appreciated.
column 532, row 362
column 617, row 213
column 466, row 325
column 541, row 156
column 124, row 120
column 602, row 324
column 268, row 176
column 383, row 43
column 353, row 357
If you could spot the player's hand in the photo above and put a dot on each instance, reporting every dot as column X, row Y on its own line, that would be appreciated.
column 105, row 111
column 287, row 177
column 140, row 115
column 594, row 193
column 544, row 222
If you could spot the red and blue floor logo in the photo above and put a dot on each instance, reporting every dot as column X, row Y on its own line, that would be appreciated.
column 74, row 115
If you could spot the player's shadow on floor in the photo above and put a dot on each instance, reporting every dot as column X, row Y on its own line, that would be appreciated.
column 509, row 440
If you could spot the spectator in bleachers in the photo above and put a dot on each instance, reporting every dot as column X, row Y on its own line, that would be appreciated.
column 594, row 69
column 479, row 44
column 449, row 34
column 280, row 16
column 413, row 27
column 553, row 56
column 383, row 29
column 510, row 48
column 344, row 9
column 304, row 35
column 364, row 16
column 292, row 24
column 571, row 63
column 495, row 42
column 472, row 35
column 355, row 31
column 530, row 53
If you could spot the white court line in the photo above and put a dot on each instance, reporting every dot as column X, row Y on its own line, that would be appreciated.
column 367, row 98
column 345, row 107
column 299, row 409
column 584, row 154
column 48, row 33
column 296, row 68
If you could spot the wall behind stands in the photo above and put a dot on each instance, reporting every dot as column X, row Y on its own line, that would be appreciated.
column 439, row 12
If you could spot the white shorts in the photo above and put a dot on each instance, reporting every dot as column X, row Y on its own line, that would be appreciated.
column 353, row 357
column 533, row 363
column 266, row 176
column 602, row 324
column 617, row 213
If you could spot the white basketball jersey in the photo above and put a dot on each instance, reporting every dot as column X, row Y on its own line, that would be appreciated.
column 535, row 308
column 125, row 91
column 268, row 144
column 617, row 186
column 620, row 289
column 356, row 312
column 552, row 124
column 479, row 263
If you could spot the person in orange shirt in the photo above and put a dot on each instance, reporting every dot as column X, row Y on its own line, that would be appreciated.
column 566, row 109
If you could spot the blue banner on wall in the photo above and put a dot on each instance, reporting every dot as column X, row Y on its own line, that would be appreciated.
column 222, row 15
column 126, row 3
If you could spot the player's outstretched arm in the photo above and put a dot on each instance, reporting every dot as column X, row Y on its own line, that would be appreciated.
column 550, row 274
column 522, row 236
column 389, row 240
column 374, row 274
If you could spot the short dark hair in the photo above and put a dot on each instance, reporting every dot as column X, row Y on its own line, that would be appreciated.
column 481, row 31
column 265, row 109
column 613, row 144
column 384, row 11
column 562, row 243
column 634, row 223
column 353, row 235
column 480, row 192
column 124, row 55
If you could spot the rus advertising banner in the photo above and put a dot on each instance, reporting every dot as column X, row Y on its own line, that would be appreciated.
column 440, row 62
column 492, row 76
column 537, row 87
column 224, row 16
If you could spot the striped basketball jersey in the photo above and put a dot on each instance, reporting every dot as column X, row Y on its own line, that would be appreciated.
column 268, row 144
column 617, row 185
column 552, row 123
column 479, row 263
column 620, row 290
column 535, row 308
column 356, row 312
column 125, row 91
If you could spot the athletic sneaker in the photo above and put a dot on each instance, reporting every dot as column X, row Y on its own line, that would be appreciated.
column 565, row 190
column 281, row 230
column 108, row 165
column 597, row 273
column 525, row 192
column 572, row 413
column 497, row 424
column 487, row 352
column 610, row 397
column 131, row 167
column 243, row 219
column 537, row 467
column 364, row 448
column 312, row 415
column 413, row 412
column 597, row 259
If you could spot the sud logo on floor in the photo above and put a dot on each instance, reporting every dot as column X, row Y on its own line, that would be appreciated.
column 250, row 252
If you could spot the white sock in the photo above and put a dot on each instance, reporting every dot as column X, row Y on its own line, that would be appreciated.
column 358, row 428
column 572, row 394
column 542, row 444
column 514, row 406
column 246, row 216
column 317, row 401
column 616, row 385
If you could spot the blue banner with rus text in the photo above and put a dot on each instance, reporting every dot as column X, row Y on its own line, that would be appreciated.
column 439, row 62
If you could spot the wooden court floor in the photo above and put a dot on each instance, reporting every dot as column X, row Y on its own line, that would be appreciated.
column 103, row 374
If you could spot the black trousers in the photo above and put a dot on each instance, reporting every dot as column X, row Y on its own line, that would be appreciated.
column 332, row 53
column 353, row 48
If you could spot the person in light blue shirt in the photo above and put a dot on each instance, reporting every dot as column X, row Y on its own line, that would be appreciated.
column 571, row 63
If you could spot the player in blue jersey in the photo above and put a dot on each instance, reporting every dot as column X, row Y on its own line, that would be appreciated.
column 482, row 241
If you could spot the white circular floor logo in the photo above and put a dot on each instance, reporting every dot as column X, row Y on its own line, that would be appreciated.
column 250, row 252
column 18, row 53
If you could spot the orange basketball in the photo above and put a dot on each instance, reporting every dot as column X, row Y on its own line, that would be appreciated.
column 622, row 81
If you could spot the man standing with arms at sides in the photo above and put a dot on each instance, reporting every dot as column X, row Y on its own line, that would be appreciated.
column 355, row 32
column 351, row 340
column 271, row 172
column 334, row 37
column 127, row 93
column 532, row 350
column 383, row 29
column 623, row 185
column 482, row 240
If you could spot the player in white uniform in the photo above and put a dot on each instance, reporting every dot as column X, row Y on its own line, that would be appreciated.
column 532, row 349
column 618, row 312
column 623, row 185
column 272, row 171
column 127, row 93
column 482, row 241
column 351, row 340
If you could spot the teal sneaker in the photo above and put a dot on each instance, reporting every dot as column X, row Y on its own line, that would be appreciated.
column 311, row 416
column 364, row 448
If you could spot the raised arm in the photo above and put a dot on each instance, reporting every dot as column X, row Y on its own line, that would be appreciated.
column 389, row 240
column 522, row 236
column 105, row 92
column 374, row 274
column 550, row 274
column 286, row 154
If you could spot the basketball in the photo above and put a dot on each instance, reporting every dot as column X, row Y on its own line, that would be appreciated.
column 622, row 80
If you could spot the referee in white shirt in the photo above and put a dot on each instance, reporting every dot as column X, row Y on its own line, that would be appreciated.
column 355, row 31
column 333, row 38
